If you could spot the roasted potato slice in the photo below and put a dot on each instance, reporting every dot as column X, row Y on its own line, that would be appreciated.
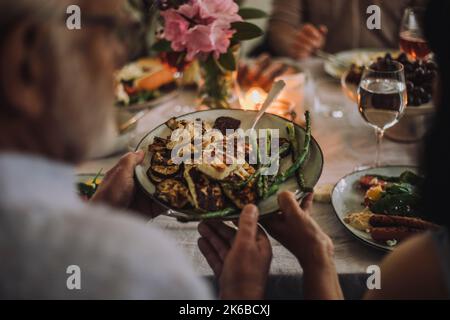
column 173, row 192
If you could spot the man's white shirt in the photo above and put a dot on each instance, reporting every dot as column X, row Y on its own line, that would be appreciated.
column 45, row 229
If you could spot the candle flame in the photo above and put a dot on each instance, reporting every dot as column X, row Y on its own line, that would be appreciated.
column 254, row 97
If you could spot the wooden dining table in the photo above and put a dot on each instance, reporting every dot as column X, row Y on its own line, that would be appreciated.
column 346, row 142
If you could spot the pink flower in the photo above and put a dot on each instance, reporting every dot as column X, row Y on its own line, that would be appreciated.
column 201, row 26
column 212, row 38
column 224, row 10
column 175, row 29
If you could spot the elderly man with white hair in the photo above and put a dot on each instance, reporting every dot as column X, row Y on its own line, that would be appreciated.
column 56, row 98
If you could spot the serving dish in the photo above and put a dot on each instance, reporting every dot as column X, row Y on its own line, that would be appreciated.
column 311, row 169
column 343, row 60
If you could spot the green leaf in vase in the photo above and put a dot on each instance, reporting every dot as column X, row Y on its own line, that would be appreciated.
column 246, row 31
column 227, row 60
column 181, row 58
column 162, row 46
column 251, row 13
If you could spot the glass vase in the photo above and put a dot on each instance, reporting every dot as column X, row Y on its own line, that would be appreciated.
column 217, row 90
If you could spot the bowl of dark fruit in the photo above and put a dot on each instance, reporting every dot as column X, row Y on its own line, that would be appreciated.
column 419, row 79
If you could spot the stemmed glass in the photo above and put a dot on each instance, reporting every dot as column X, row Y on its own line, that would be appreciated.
column 412, row 39
column 382, row 98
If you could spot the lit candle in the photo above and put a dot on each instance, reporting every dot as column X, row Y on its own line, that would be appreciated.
column 254, row 97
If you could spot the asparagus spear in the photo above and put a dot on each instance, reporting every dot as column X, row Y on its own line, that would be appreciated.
column 282, row 177
column 217, row 214
column 302, row 184
column 257, row 173
column 265, row 178
column 260, row 186
column 259, row 178
column 295, row 148
column 295, row 154
column 263, row 182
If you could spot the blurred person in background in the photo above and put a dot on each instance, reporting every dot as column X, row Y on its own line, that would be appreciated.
column 56, row 108
column 297, row 28
column 419, row 268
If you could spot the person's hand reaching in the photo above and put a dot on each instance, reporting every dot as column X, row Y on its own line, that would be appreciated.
column 308, row 39
column 118, row 188
column 239, row 259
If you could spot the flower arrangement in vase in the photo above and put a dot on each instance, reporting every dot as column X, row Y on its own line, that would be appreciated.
column 210, row 31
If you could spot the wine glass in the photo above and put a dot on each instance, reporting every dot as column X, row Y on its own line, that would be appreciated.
column 412, row 39
column 382, row 98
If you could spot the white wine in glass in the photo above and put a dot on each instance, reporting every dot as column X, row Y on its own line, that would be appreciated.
column 382, row 97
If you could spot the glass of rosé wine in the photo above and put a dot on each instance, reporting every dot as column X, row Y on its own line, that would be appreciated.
column 412, row 39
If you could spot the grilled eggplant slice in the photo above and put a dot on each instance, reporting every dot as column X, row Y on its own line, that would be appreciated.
column 153, row 178
column 224, row 123
column 206, row 194
column 173, row 192
column 209, row 196
column 241, row 197
column 162, row 165
column 172, row 123
column 163, row 158
column 165, row 171
column 159, row 144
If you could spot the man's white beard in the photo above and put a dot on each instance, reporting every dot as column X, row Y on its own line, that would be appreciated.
column 105, row 143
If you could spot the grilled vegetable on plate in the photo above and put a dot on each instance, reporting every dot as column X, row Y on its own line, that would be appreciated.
column 381, row 206
column 144, row 83
column 221, row 188
column 87, row 184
